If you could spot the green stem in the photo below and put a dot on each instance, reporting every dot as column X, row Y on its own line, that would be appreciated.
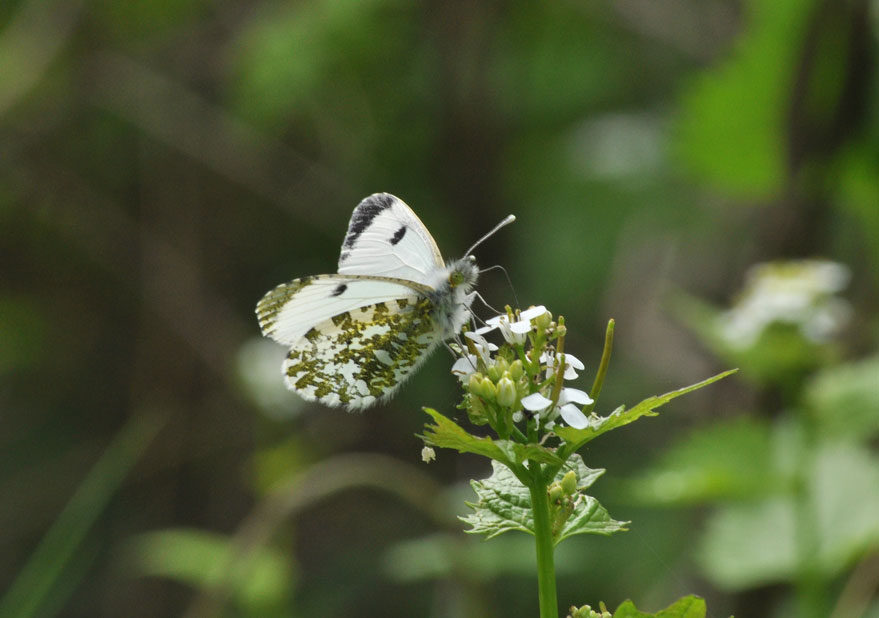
column 602, row 367
column 543, row 541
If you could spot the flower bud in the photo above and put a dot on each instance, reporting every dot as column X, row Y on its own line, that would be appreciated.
column 516, row 370
column 487, row 390
column 543, row 320
column 555, row 493
column 495, row 371
column 569, row 483
column 506, row 391
column 475, row 382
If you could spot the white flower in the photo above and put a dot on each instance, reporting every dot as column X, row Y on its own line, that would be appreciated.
column 795, row 292
column 535, row 402
column 572, row 413
column 483, row 347
column 571, row 363
column 567, row 406
column 514, row 333
column 464, row 367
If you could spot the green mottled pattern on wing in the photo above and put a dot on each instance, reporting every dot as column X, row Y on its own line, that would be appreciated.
column 362, row 355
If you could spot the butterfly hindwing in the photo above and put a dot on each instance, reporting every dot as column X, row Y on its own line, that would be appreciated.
column 385, row 238
column 360, row 356
column 287, row 312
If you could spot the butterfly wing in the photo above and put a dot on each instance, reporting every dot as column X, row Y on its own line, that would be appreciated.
column 290, row 310
column 358, row 357
column 385, row 238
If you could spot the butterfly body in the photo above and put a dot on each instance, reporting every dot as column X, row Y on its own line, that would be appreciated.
column 356, row 336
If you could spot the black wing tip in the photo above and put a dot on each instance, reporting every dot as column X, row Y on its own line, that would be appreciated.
column 367, row 210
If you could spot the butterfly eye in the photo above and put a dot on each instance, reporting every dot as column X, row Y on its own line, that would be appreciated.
column 456, row 278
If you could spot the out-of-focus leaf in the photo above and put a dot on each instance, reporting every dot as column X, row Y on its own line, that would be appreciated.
column 755, row 544
column 750, row 544
column 859, row 191
column 505, row 504
column 723, row 461
column 575, row 438
column 686, row 607
column 845, row 399
column 198, row 558
column 732, row 123
column 291, row 53
column 845, row 499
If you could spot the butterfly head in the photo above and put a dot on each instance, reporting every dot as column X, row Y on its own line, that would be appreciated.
column 463, row 273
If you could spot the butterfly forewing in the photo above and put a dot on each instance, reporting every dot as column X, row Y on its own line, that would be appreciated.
column 356, row 336
column 360, row 356
column 290, row 310
column 385, row 238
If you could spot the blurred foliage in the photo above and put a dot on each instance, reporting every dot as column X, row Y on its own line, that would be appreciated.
column 163, row 164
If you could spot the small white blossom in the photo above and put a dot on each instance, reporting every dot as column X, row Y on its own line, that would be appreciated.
column 515, row 333
column 483, row 347
column 535, row 402
column 574, row 395
column 571, row 413
column 796, row 292
column 571, row 363
column 464, row 367
column 428, row 454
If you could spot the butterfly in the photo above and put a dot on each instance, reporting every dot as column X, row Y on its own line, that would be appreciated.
column 356, row 336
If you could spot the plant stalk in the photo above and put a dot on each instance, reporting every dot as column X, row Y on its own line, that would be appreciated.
column 543, row 541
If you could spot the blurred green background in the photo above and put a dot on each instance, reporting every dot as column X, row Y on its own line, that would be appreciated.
column 163, row 163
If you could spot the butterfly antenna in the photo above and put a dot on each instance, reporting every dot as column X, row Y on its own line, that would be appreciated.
column 509, row 219
column 507, row 276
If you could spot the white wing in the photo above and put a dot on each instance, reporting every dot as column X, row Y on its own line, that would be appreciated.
column 386, row 239
column 292, row 309
column 362, row 356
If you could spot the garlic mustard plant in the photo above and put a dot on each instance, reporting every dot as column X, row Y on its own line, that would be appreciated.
column 521, row 389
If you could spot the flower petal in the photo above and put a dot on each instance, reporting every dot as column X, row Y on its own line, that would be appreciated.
column 520, row 327
column 574, row 417
column 573, row 361
column 464, row 366
column 535, row 402
column 475, row 337
column 533, row 312
column 574, row 395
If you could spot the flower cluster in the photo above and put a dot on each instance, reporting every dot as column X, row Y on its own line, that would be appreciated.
column 800, row 292
column 523, row 379
column 588, row 612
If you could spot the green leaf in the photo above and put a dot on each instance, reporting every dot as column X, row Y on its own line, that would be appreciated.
column 575, row 438
column 840, row 507
column 686, row 607
column 845, row 399
column 505, row 504
column 726, row 460
column 445, row 433
column 750, row 544
column 732, row 124
column 198, row 558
